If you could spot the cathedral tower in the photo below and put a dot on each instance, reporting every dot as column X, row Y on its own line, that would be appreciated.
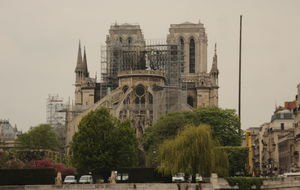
column 201, row 87
column 84, row 85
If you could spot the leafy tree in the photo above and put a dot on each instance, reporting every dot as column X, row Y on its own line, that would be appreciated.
column 103, row 142
column 192, row 151
column 60, row 134
column 238, row 159
column 40, row 137
column 224, row 124
column 4, row 157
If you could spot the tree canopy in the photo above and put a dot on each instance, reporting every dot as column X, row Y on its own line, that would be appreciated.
column 192, row 151
column 224, row 124
column 39, row 137
column 103, row 142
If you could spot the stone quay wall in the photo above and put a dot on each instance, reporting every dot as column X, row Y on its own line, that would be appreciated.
column 290, row 183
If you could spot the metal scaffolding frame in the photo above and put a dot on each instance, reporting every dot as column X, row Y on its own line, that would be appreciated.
column 154, row 55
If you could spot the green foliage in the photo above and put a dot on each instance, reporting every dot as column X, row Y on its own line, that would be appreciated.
column 224, row 123
column 103, row 142
column 192, row 151
column 40, row 137
column 245, row 183
column 238, row 159
column 60, row 134
column 4, row 157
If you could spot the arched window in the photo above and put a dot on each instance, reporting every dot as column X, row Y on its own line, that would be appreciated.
column 190, row 101
column 129, row 40
column 143, row 100
column 150, row 98
column 137, row 100
column 192, row 56
column 121, row 39
column 181, row 47
column 140, row 90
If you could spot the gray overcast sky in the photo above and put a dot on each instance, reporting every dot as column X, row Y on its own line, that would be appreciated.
column 39, row 40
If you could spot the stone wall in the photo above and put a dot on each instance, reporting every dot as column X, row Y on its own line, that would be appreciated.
column 290, row 183
column 125, row 186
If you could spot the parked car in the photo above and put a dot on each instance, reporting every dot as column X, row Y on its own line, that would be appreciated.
column 179, row 177
column 70, row 179
column 86, row 179
column 198, row 178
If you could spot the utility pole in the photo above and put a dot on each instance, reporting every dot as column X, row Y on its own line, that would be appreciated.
column 240, row 65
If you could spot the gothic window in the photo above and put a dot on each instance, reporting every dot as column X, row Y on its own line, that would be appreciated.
column 190, row 101
column 140, row 90
column 143, row 100
column 120, row 39
column 181, row 46
column 192, row 56
column 282, row 126
column 137, row 100
column 129, row 40
column 150, row 99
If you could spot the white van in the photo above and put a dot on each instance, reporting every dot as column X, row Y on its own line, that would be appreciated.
column 70, row 179
column 179, row 177
column 86, row 179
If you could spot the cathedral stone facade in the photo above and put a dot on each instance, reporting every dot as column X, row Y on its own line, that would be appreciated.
column 143, row 80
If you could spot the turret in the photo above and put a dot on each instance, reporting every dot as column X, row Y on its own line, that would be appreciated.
column 81, row 66
column 214, row 72
column 86, row 73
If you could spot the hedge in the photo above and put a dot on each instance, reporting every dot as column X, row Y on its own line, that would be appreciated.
column 27, row 176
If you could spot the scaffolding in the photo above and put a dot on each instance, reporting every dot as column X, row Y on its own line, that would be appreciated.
column 155, row 55
column 55, row 115
column 121, row 57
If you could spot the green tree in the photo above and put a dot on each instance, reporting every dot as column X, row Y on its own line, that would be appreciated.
column 103, row 142
column 39, row 137
column 224, row 124
column 192, row 151
column 238, row 159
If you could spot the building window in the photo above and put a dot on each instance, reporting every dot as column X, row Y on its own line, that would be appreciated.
column 120, row 39
column 181, row 48
column 137, row 100
column 129, row 40
column 150, row 99
column 143, row 100
column 192, row 56
column 140, row 90
column 282, row 126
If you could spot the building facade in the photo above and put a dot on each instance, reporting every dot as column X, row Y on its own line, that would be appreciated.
column 143, row 80
column 8, row 134
column 278, row 141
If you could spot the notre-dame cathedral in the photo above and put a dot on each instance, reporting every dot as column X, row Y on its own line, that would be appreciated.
column 142, row 80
